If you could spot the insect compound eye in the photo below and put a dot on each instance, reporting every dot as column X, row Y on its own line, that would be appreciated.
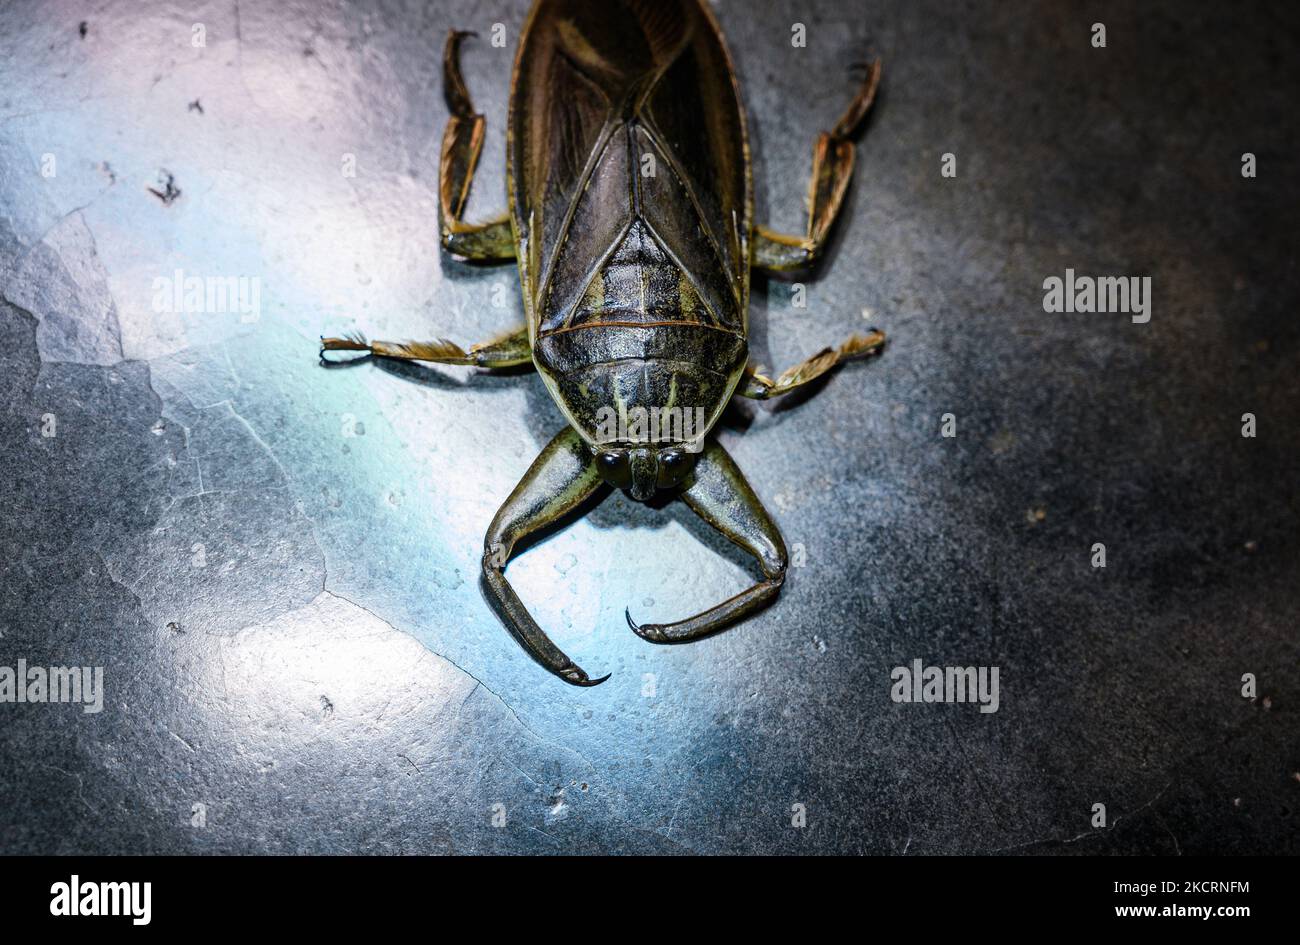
column 673, row 467
column 614, row 469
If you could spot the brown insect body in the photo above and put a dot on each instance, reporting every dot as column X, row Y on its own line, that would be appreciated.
column 631, row 201
column 631, row 221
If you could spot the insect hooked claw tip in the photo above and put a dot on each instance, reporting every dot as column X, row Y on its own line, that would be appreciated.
column 574, row 674
column 649, row 632
column 580, row 679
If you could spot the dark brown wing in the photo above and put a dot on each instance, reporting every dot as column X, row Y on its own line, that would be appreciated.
column 597, row 87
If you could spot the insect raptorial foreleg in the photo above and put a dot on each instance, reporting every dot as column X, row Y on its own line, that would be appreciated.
column 510, row 350
column 720, row 495
column 832, row 168
column 462, row 142
column 560, row 480
column 759, row 386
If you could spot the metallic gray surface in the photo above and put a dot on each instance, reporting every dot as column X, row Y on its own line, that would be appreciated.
column 331, row 679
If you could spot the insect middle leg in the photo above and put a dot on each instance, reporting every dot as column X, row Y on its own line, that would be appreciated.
column 720, row 495
column 560, row 479
column 509, row 350
column 759, row 386
column 832, row 169
column 462, row 141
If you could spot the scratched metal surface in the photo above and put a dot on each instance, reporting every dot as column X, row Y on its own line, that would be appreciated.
column 289, row 617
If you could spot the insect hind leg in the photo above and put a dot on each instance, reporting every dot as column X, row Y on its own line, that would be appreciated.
column 833, row 158
column 509, row 350
column 462, row 142
column 758, row 386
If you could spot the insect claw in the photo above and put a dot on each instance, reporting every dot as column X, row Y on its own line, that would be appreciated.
column 574, row 674
column 650, row 631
